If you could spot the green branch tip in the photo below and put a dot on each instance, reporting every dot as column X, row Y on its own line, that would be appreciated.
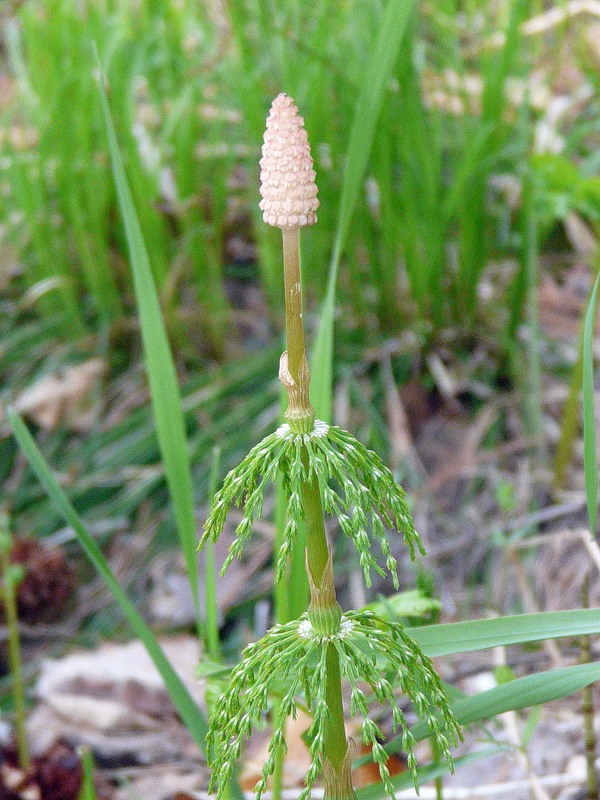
column 356, row 487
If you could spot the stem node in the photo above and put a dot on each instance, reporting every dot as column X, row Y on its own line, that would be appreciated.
column 338, row 782
column 300, row 414
column 324, row 612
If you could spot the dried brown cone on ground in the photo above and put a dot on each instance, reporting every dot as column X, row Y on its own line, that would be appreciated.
column 288, row 188
column 56, row 775
column 48, row 583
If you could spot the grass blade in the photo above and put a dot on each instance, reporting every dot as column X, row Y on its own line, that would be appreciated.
column 590, row 455
column 532, row 690
column 166, row 399
column 463, row 637
column 532, row 380
column 185, row 705
column 426, row 773
column 375, row 80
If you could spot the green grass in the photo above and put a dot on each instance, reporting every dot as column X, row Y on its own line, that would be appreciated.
column 368, row 108
column 164, row 390
column 404, row 176
column 590, row 449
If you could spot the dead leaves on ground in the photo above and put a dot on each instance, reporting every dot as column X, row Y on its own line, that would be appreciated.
column 113, row 700
column 63, row 397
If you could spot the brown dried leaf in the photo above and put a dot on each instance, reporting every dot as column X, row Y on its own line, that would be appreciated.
column 62, row 396
column 114, row 691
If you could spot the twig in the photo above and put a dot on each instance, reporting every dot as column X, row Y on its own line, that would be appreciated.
column 545, row 515
column 592, row 546
column 511, row 723
column 589, row 542
column 532, row 605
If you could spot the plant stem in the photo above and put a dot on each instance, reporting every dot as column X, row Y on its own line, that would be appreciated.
column 295, row 350
column 317, row 549
column 10, row 578
column 570, row 416
column 318, row 554
column 294, row 327
column 213, row 645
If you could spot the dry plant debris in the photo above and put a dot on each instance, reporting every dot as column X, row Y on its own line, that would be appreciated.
column 63, row 397
column 47, row 589
column 54, row 775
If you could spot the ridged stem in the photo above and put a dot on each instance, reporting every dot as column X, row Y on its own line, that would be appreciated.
column 337, row 777
column 294, row 327
column 318, row 555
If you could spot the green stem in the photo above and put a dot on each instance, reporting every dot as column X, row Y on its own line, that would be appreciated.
column 283, row 590
column 282, row 615
column 317, row 549
column 10, row 582
column 294, row 326
column 336, row 743
column 213, row 644
column 318, row 555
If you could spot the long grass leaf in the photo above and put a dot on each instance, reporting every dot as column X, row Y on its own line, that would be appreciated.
column 532, row 690
column 590, row 455
column 427, row 772
column 463, row 637
column 166, row 399
column 185, row 705
column 370, row 100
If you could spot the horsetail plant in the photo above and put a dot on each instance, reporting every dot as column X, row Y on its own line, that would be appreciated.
column 323, row 468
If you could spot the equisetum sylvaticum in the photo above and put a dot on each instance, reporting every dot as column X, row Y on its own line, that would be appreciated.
column 325, row 470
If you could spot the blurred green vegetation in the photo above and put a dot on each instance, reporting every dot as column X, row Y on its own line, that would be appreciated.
column 190, row 84
column 471, row 172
